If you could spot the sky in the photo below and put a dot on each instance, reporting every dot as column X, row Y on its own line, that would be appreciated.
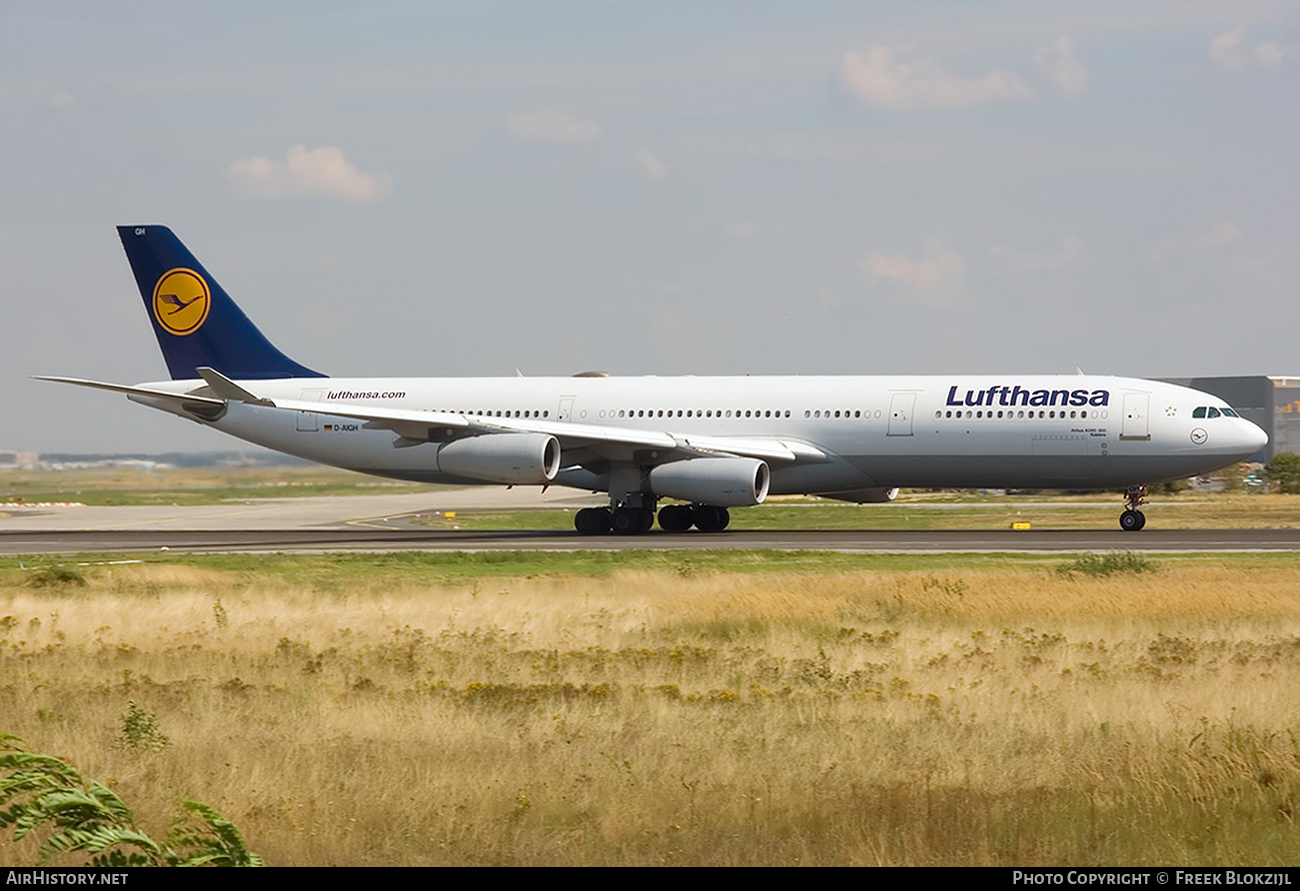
column 443, row 189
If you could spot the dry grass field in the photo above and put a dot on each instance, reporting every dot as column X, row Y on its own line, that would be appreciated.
column 189, row 485
column 1001, row 713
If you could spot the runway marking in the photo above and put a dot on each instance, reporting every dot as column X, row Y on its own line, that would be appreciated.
column 368, row 522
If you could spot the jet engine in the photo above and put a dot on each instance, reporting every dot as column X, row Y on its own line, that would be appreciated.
column 509, row 458
column 722, row 482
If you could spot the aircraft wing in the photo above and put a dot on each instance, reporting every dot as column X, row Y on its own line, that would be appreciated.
column 615, row 443
column 609, row 442
column 414, row 426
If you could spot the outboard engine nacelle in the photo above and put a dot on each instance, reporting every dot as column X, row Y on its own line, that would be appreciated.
column 721, row 482
column 515, row 459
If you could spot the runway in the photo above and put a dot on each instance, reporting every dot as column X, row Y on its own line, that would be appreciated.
column 384, row 523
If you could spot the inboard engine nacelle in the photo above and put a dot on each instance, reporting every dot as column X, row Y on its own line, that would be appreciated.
column 722, row 482
column 510, row 458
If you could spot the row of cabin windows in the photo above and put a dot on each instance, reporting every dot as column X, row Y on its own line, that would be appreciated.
column 736, row 413
column 1081, row 414
column 844, row 414
column 676, row 413
column 507, row 413
column 1201, row 412
column 694, row 413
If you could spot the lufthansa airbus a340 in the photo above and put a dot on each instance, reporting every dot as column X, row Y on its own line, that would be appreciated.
column 706, row 443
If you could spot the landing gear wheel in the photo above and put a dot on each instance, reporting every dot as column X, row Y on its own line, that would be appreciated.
column 1132, row 520
column 632, row 520
column 711, row 519
column 676, row 518
column 592, row 521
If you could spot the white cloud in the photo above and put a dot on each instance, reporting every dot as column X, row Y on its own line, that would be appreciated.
column 1070, row 251
column 744, row 229
column 1230, row 52
column 937, row 274
column 880, row 80
column 552, row 126
column 42, row 91
column 1223, row 234
column 1062, row 67
column 1197, row 245
column 315, row 173
column 650, row 165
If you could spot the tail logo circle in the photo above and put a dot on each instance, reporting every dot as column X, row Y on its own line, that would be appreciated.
column 181, row 301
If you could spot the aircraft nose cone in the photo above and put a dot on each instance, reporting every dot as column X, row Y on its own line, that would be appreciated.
column 1253, row 438
column 1261, row 438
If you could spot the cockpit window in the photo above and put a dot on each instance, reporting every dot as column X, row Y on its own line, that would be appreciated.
column 1209, row 411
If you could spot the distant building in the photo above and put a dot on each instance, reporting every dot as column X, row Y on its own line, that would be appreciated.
column 10, row 460
column 1271, row 402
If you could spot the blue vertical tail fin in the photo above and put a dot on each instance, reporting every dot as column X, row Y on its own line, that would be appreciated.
column 194, row 319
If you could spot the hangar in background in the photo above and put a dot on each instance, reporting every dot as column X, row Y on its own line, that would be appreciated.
column 1271, row 402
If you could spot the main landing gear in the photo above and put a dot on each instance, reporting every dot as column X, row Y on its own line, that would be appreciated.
column 704, row 517
column 1132, row 520
column 627, row 520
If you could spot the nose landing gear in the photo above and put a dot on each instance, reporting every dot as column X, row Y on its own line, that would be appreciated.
column 1132, row 520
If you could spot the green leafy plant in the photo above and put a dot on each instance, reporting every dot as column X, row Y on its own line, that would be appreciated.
column 1106, row 564
column 141, row 730
column 56, row 576
column 1284, row 469
column 43, row 793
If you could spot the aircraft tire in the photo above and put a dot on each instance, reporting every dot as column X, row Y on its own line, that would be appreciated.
column 676, row 518
column 1132, row 520
column 592, row 521
column 631, row 520
column 711, row 519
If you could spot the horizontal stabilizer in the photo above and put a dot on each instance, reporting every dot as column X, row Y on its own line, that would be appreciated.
column 136, row 391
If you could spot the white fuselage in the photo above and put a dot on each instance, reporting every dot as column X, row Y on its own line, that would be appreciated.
column 940, row 431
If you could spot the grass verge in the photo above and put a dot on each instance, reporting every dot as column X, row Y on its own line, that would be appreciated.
column 430, row 709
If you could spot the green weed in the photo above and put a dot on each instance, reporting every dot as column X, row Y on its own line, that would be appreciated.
column 1107, row 564
column 56, row 576
column 141, row 730
column 41, row 791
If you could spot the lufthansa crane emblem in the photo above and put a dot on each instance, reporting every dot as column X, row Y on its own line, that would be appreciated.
column 181, row 301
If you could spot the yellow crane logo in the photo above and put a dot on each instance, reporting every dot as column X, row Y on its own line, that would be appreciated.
column 181, row 301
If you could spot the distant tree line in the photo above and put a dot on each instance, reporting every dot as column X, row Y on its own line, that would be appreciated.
column 183, row 459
